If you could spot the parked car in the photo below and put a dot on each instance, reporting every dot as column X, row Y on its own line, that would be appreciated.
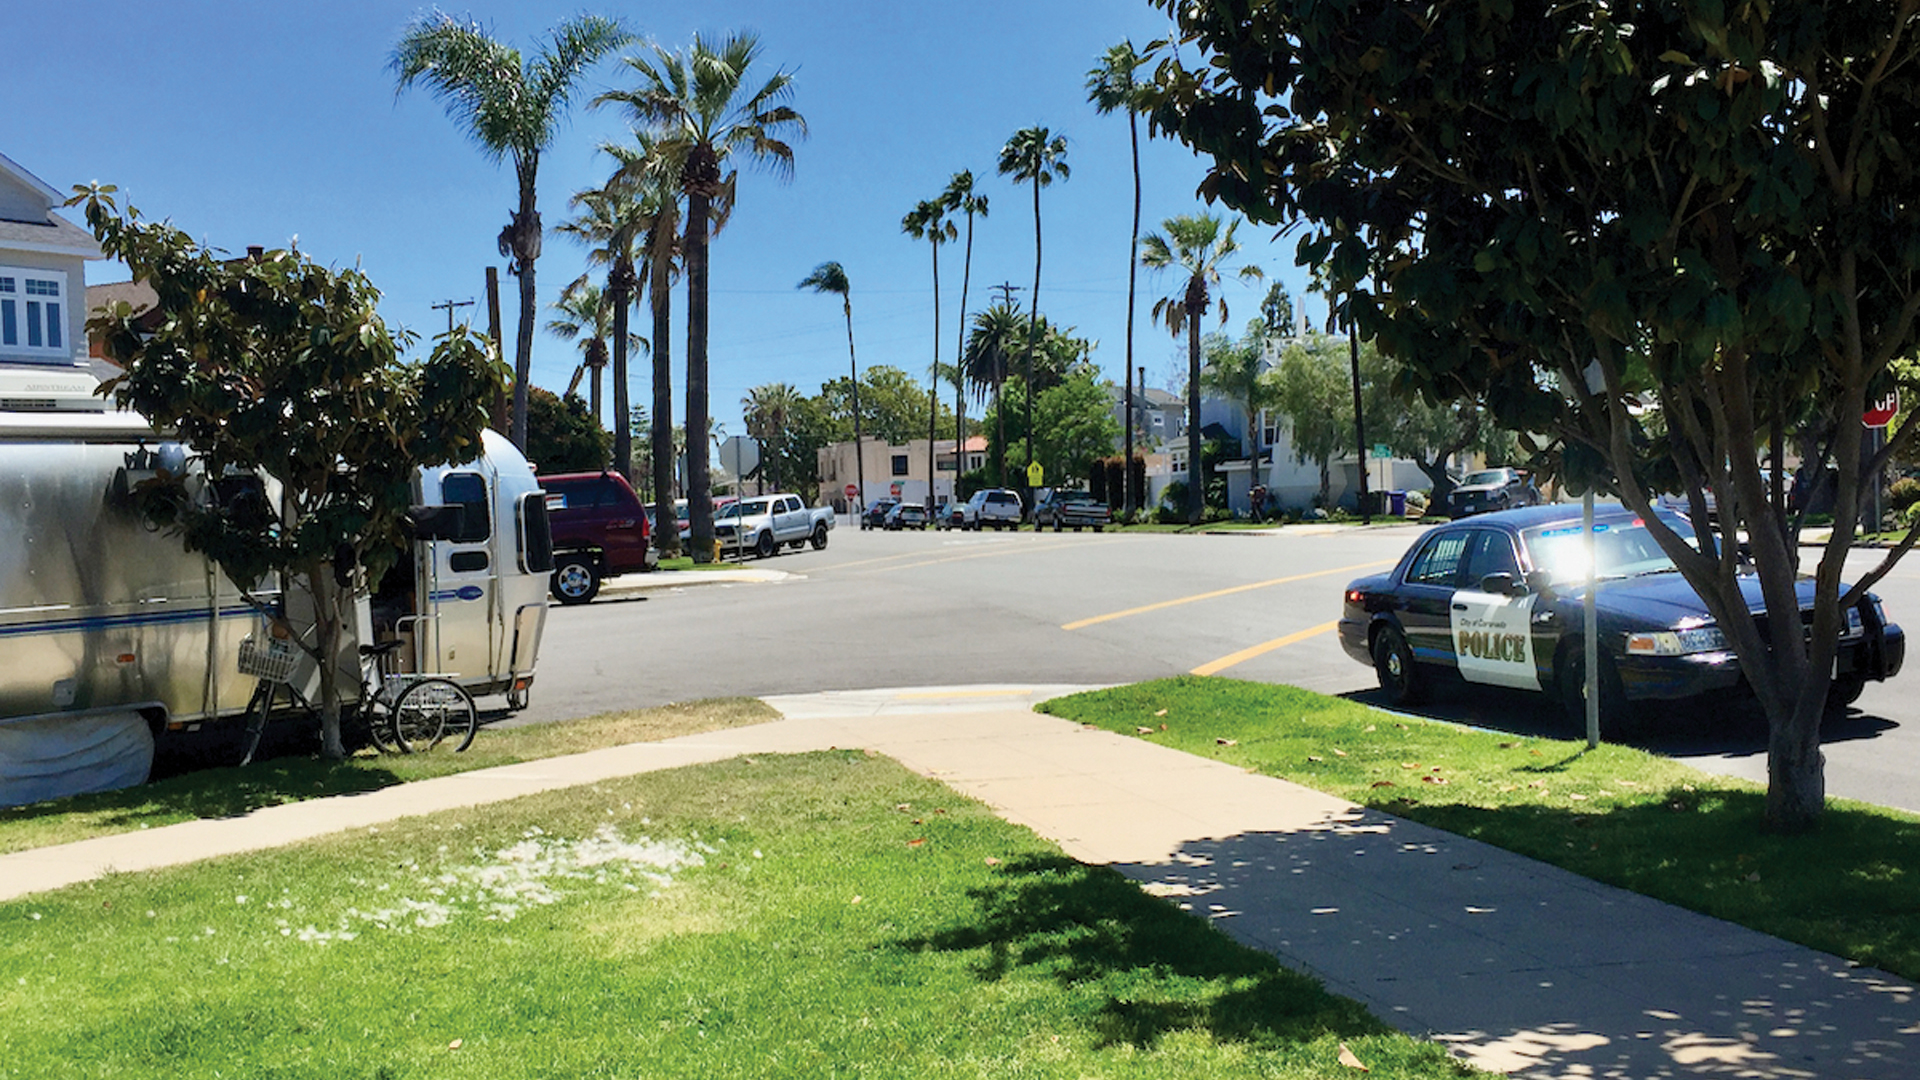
column 763, row 523
column 1492, row 489
column 943, row 514
column 907, row 515
column 875, row 516
column 1496, row 600
column 1066, row 508
column 600, row 530
column 996, row 508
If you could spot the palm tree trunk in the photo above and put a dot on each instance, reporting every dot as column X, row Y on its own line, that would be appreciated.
column 621, row 287
column 1133, row 265
column 525, row 252
column 959, row 376
column 933, row 378
column 859, row 456
column 1196, row 477
column 1033, row 337
column 666, row 531
column 699, row 479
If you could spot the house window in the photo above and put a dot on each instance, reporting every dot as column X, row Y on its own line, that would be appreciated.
column 32, row 312
column 1179, row 461
column 1270, row 426
column 899, row 464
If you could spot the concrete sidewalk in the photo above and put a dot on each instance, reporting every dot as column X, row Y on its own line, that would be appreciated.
column 1518, row 967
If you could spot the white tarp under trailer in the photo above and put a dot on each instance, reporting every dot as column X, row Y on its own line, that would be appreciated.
column 113, row 636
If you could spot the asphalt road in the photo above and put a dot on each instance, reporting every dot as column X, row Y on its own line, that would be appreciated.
column 879, row 609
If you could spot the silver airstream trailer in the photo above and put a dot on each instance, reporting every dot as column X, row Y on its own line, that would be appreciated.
column 113, row 635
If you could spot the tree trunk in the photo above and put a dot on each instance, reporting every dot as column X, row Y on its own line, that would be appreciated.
column 1129, row 499
column 859, row 455
column 933, row 380
column 666, row 531
column 525, row 243
column 699, row 480
column 959, row 374
column 1796, row 776
column 620, row 286
column 1033, row 338
column 327, row 621
column 1196, row 477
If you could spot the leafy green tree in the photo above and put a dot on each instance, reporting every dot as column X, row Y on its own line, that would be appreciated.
column 1197, row 247
column 1074, row 421
column 961, row 198
column 894, row 406
column 1035, row 156
column 703, row 113
column 582, row 316
column 1115, row 85
column 831, row 277
column 1315, row 392
column 562, row 436
column 277, row 365
column 1661, row 232
column 511, row 107
column 928, row 221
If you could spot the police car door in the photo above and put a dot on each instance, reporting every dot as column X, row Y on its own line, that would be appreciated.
column 1493, row 632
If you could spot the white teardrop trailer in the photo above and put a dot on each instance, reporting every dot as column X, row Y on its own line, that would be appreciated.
column 113, row 635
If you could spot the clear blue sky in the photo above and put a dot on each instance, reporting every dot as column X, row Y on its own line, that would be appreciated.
column 254, row 123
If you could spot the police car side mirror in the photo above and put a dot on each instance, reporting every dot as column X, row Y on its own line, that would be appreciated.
column 1541, row 582
column 1502, row 584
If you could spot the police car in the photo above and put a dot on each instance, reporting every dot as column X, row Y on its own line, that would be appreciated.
column 1495, row 600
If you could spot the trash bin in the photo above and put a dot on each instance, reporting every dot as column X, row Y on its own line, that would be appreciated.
column 1397, row 503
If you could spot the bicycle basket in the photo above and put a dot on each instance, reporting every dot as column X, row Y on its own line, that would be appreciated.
column 272, row 662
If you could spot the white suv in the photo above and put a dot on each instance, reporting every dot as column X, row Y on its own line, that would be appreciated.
column 993, row 507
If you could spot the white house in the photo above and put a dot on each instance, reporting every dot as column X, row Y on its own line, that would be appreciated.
column 43, row 279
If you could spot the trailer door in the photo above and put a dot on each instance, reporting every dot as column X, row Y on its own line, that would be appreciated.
column 462, row 582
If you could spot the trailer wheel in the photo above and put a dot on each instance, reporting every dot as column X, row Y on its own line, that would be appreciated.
column 576, row 579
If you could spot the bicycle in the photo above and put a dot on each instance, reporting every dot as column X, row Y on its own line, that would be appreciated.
column 422, row 712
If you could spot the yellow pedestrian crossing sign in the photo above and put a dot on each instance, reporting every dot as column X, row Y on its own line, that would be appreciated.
column 1035, row 477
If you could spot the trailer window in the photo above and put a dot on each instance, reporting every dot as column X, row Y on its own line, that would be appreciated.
column 469, row 491
column 536, row 535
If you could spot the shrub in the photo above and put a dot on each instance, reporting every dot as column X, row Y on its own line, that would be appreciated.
column 1903, row 493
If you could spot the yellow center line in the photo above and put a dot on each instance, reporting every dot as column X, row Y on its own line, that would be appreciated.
column 1216, row 666
column 1219, row 593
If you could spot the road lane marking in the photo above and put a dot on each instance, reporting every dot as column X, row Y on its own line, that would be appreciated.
column 1219, row 593
column 1217, row 666
column 1008, row 550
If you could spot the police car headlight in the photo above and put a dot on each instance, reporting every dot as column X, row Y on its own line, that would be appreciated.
column 1677, row 642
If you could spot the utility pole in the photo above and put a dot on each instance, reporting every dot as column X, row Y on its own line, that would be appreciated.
column 450, row 305
column 1006, row 289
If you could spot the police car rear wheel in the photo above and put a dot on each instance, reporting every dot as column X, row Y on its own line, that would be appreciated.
column 1393, row 662
column 1616, row 712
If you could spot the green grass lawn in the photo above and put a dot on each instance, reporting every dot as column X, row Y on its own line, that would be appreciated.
column 225, row 792
column 1614, row 814
column 828, row 914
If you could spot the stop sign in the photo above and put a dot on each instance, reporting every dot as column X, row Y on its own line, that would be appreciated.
column 852, row 492
column 1881, row 412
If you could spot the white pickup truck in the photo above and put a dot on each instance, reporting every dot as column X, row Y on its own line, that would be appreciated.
column 762, row 523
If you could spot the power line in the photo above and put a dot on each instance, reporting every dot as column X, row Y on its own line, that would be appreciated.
column 450, row 305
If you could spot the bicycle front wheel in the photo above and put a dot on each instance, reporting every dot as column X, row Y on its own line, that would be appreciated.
column 421, row 711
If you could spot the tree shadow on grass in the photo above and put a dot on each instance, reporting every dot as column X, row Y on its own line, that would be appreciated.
column 1160, row 970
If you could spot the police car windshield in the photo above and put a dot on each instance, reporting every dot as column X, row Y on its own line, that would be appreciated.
column 1622, row 547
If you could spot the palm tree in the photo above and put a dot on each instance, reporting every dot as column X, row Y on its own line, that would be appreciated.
column 1199, row 248
column 582, row 316
column 610, row 223
column 991, row 347
column 960, row 197
column 767, row 411
column 1034, row 155
column 831, row 277
column 511, row 107
column 655, row 188
column 928, row 221
column 700, row 116
column 1112, row 86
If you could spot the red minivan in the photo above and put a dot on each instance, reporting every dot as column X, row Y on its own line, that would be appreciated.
column 599, row 530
